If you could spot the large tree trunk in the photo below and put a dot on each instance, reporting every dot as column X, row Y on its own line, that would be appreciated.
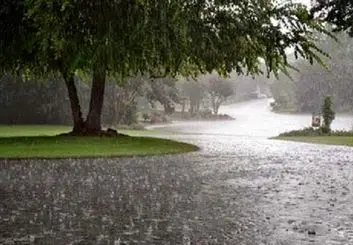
column 93, row 121
column 75, row 103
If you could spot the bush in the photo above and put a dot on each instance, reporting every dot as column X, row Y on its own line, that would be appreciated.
column 341, row 133
column 205, row 114
column 34, row 102
column 328, row 114
column 325, row 129
column 225, row 117
column 186, row 116
column 303, row 132
column 274, row 105
column 316, row 132
column 157, row 117
column 130, row 127
column 145, row 116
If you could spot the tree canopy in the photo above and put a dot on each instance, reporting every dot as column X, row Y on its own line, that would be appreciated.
column 219, row 91
column 307, row 88
column 339, row 13
column 121, row 38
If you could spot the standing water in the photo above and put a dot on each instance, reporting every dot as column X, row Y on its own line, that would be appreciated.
column 241, row 188
column 255, row 118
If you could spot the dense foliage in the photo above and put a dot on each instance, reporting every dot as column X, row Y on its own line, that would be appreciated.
column 140, row 97
column 307, row 88
column 33, row 102
column 327, row 114
column 164, row 91
column 123, row 38
column 219, row 90
column 336, row 12
column 47, row 102
column 315, row 132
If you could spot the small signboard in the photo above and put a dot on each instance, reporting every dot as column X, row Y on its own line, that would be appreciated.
column 316, row 121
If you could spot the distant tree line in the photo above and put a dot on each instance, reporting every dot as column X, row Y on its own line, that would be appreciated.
column 306, row 89
column 26, row 101
column 32, row 102
column 207, row 91
column 120, row 39
column 46, row 102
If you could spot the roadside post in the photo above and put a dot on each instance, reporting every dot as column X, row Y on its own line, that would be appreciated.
column 316, row 121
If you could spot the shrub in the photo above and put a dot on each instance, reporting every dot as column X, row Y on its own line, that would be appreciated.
column 206, row 114
column 325, row 130
column 157, row 117
column 341, row 133
column 135, row 126
column 145, row 116
column 303, row 132
column 328, row 114
column 274, row 105
column 316, row 132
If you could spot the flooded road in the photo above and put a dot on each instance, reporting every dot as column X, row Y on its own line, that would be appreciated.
column 255, row 119
column 241, row 188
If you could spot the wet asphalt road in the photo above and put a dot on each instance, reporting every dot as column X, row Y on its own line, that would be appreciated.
column 241, row 188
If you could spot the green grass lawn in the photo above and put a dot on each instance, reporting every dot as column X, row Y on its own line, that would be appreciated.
column 40, row 142
column 328, row 140
column 52, row 130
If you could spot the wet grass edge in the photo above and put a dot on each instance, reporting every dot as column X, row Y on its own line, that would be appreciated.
column 173, row 147
column 323, row 140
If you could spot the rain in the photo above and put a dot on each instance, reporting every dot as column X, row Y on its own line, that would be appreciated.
column 257, row 126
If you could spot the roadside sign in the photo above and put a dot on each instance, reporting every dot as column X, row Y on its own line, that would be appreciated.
column 316, row 121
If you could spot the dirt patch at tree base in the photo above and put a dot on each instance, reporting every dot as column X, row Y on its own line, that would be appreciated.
column 102, row 133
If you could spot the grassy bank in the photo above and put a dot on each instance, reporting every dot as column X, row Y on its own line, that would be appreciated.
column 329, row 140
column 52, row 130
column 40, row 142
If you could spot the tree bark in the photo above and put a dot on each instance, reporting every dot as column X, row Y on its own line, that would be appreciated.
column 74, row 103
column 93, row 121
